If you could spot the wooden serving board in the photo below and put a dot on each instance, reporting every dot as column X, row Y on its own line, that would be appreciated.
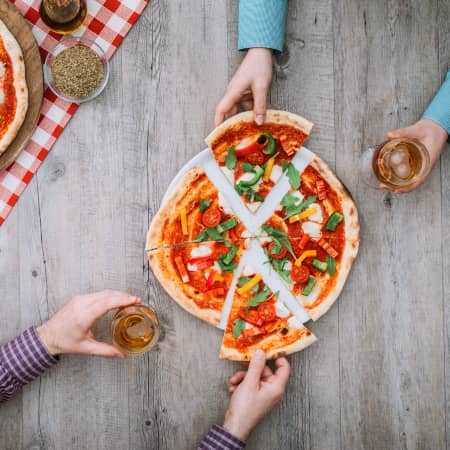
column 19, row 27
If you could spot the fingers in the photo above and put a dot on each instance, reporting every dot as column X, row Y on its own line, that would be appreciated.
column 228, row 102
column 112, row 300
column 255, row 368
column 95, row 348
column 282, row 372
column 260, row 102
column 403, row 132
column 238, row 377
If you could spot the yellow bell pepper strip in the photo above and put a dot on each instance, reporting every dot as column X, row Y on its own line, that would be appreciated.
column 218, row 277
column 268, row 169
column 183, row 218
column 302, row 215
column 247, row 286
column 304, row 255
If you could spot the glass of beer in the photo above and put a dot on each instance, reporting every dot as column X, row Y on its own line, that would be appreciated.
column 135, row 329
column 395, row 164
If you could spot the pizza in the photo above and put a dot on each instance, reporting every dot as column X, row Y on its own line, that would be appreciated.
column 254, row 157
column 259, row 320
column 13, row 88
column 195, row 244
column 312, row 238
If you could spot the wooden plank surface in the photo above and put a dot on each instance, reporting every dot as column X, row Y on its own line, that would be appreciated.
column 378, row 377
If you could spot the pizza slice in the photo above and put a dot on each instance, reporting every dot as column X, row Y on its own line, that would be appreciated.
column 312, row 238
column 258, row 319
column 253, row 157
column 195, row 244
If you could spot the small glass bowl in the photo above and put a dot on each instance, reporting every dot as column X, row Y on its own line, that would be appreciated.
column 63, row 44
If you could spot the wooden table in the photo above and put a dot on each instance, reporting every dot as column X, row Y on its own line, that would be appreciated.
column 378, row 377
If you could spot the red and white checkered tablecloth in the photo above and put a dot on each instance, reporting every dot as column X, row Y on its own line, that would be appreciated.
column 107, row 23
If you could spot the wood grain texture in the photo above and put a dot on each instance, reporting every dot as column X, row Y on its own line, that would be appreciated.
column 378, row 377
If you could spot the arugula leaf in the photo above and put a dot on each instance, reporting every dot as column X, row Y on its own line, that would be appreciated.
column 204, row 205
column 331, row 265
column 286, row 275
column 278, row 264
column 284, row 165
column 214, row 235
column 293, row 210
column 279, row 235
column 202, row 236
column 277, row 247
column 242, row 281
column 241, row 189
column 252, row 196
column 289, row 200
column 294, row 176
column 231, row 254
column 260, row 297
column 246, row 167
column 231, row 267
column 231, row 159
column 238, row 327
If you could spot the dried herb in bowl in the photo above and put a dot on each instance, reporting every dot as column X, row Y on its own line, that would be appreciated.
column 77, row 72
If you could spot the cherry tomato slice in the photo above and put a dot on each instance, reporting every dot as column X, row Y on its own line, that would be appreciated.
column 267, row 312
column 211, row 217
column 280, row 255
column 251, row 317
column 300, row 274
column 295, row 229
column 256, row 158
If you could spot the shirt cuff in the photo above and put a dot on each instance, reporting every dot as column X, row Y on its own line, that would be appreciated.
column 26, row 357
column 439, row 109
column 219, row 439
column 262, row 24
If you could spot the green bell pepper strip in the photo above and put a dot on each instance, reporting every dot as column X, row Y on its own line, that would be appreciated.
column 331, row 265
column 259, row 172
column 309, row 286
column 333, row 221
column 319, row 265
column 270, row 148
column 227, row 225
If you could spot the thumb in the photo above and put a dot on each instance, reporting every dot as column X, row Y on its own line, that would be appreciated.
column 260, row 103
column 402, row 132
column 255, row 368
column 96, row 348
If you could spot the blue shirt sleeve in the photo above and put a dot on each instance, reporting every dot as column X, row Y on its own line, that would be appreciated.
column 439, row 108
column 262, row 24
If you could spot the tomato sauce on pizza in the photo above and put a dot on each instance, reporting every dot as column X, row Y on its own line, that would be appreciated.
column 8, row 99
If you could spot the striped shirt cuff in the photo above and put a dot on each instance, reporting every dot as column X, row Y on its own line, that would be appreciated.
column 439, row 109
column 219, row 439
column 26, row 357
column 262, row 24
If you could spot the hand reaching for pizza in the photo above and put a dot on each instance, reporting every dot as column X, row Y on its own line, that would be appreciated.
column 255, row 393
column 431, row 135
column 249, row 87
column 69, row 330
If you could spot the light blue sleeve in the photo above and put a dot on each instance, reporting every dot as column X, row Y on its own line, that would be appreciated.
column 439, row 108
column 262, row 24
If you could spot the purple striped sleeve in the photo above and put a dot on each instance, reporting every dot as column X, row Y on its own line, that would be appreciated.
column 219, row 439
column 21, row 361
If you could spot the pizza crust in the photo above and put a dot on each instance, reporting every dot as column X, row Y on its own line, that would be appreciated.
column 352, row 232
column 271, row 351
column 272, row 116
column 20, row 86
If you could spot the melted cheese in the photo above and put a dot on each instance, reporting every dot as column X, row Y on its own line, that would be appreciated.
column 318, row 216
column 294, row 323
column 229, row 174
column 276, row 173
column 201, row 250
column 247, row 271
column 312, row 228
column 224, row 204
column 253, row 206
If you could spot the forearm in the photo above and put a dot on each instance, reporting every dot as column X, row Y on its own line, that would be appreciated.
column 21, row 361
column 439, row 109
column 219, row 439
column 262, row 24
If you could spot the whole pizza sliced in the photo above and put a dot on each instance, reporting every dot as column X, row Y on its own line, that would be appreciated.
column 194, row 244
column 258, row 319
column 13, row 88
column 312, row 238
column 253, row 157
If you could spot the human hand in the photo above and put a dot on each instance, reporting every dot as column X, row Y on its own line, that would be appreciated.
column 249, row 87
column 69, row 330
column 431, row 135
column 255, row 393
